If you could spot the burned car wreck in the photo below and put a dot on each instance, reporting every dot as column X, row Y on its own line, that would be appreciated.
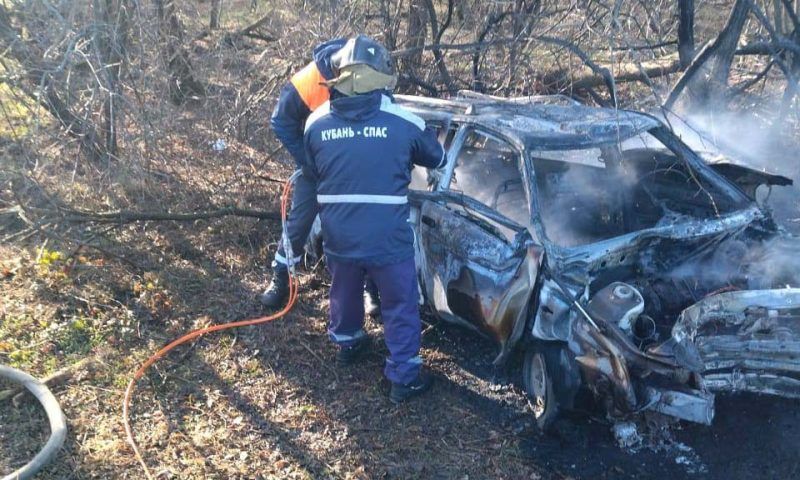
column 599, row 244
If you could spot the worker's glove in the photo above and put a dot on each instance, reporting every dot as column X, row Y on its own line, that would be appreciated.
column 435, row 176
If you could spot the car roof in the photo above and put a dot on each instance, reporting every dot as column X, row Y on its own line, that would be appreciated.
column 544, row 122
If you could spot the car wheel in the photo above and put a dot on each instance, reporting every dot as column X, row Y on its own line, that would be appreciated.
column 537, row 378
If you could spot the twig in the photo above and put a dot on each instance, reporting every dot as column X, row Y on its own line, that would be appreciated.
column 22, row 234
column 323, row 362
column 741, row 87
column 269, row 179
column 57, row 378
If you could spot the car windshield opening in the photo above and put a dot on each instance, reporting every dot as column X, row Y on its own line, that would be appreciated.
column 592, row 194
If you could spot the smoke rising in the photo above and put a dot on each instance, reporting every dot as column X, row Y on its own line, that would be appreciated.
column 748, row 139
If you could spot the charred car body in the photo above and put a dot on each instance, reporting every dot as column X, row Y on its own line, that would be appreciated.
column 602, row 245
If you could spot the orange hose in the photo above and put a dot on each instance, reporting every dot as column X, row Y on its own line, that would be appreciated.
column 293, row 289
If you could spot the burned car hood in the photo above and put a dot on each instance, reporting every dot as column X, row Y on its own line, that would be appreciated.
column 620, row 250
column 743, row 175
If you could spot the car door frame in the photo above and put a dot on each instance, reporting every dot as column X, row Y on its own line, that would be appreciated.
column 506, row 322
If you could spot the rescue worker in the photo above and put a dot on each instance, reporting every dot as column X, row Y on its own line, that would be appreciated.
column 298, row 98
column 360, row 149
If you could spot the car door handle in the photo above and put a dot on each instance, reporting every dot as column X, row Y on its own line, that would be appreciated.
column 429, row 221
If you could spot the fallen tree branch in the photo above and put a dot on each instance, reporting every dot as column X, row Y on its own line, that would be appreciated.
column 252, row 29
column 602, row 72
column 768, row 48
column 593, row 76
column 626, row 72
column 126, row 216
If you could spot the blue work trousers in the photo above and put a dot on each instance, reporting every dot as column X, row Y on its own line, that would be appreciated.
column 397, row 286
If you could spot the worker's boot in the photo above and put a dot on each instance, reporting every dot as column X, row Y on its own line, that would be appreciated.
column 349, row 354
column 278, row 290
column 402, row 392
column 372, row 301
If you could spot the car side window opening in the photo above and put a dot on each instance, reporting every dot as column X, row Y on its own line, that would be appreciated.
column 423, row 178
column 595, row 193
column 488, row 170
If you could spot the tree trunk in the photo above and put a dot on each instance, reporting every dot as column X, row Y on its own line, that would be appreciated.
column 777, row 8
column 791, row 88
column 492, row 20
column 182, row 83
column 111, row 17
column 388, row 33
column 525, row 12
column 713, row 64
column 727, row 41
column 216, row 7
column 436, row 34
column 686, row 31
column 415, row 37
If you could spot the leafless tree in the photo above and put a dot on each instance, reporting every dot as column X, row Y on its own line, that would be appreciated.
column 117, row 75
column 705, row 82
column 216, row 8
column 686, row 31
column 182, row 81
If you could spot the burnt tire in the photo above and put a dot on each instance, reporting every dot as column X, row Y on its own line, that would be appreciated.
column 537, row 378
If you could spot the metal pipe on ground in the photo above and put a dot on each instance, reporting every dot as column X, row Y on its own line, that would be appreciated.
column 58, row 424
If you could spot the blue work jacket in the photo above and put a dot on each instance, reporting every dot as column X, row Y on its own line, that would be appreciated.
column 360, row 151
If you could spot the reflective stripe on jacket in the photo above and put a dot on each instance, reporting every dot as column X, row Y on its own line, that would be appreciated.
column 361, row 150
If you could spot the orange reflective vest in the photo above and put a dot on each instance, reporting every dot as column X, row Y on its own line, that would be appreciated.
column 310, row 85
